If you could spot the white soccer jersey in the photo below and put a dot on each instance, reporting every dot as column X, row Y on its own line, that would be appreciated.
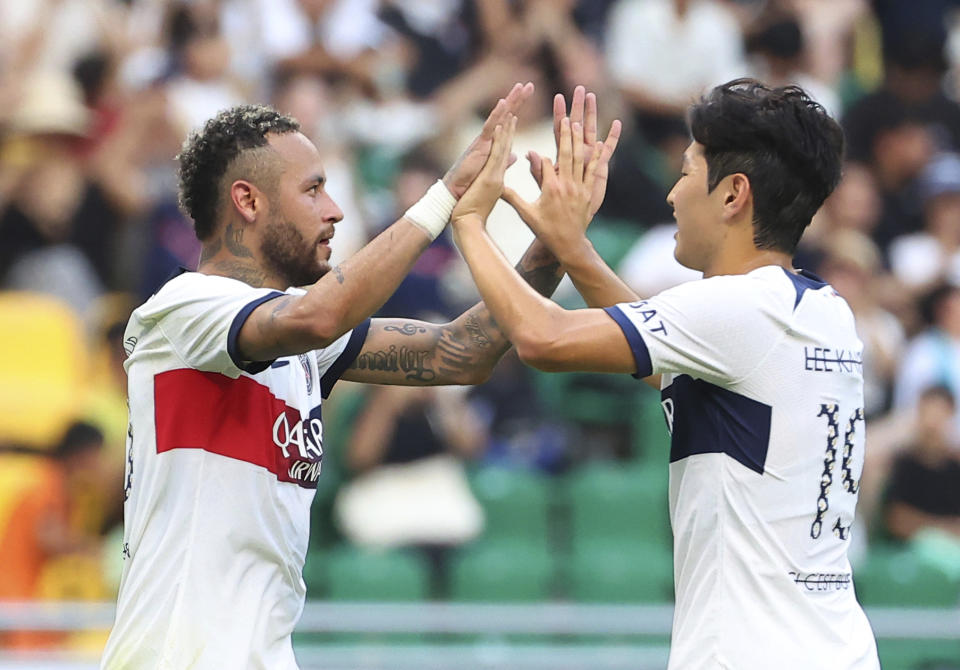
column 222, row 465
column 763, row 393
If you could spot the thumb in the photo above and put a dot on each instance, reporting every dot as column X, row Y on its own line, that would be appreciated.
column 524, row 208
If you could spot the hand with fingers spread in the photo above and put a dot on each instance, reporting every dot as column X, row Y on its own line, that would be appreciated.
column 475, row 204
column 459, row 177
column 546, row 217
column 583, row 109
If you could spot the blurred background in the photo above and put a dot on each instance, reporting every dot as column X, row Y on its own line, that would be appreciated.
column 522, row 523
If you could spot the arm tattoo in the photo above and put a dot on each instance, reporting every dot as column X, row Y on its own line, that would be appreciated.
column 477, row 334
column 544, row 279
column 453, row 354
column 338, row 273
column 405, row 329
column 411, row 362
column 234, row 238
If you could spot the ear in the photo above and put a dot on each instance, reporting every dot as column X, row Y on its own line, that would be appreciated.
column 737, row 196
column 246, row 199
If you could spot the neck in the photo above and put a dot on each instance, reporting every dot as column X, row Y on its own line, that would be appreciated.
column 226, row 255
column 736, row 262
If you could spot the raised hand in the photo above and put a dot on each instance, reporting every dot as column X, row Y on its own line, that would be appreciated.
column 583, row 109
column 563, row 210
column 475, row 204
column 471, row 161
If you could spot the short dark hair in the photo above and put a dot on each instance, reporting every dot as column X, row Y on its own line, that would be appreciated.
column 783, row 141
column 208, row 153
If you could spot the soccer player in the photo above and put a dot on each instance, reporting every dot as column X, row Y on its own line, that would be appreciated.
column 759, row 367
column 226, row 370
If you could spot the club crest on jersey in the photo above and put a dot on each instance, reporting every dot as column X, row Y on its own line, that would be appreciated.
column 305, row 363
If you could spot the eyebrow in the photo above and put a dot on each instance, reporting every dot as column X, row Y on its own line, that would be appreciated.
column 318, row 179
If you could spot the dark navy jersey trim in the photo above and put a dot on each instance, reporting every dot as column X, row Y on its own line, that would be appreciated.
column 641, row 355
column 280, row 364
column 330, row 377
column 253, row 367
column 803, row 281
column 708, row 419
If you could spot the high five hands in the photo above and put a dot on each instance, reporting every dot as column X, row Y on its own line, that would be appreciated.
column 571, row 191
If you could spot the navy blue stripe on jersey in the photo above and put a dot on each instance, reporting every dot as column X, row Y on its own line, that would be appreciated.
column 255, row 366
column 707, row 419
column 330, row 377
column 804, row 281
column 641, row 355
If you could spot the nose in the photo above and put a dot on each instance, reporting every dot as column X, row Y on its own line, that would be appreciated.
column 670, row 197
column 332, row 212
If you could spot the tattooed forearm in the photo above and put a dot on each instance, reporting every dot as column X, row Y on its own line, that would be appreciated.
column 338, row 273
column 234, row 238
column 543, row 279
column 477, row 334
column 455, row 357
column 413, row 363
column 406, row 329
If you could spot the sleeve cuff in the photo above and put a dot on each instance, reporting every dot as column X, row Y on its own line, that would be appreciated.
column 354, row 345
column 252, row 367
column 641, row 355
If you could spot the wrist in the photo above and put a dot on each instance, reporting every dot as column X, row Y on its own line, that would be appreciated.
column 432, row 212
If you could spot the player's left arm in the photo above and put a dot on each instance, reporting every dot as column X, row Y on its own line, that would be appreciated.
column 464, row 351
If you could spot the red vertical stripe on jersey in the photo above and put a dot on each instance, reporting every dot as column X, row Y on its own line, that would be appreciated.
column 229, row 417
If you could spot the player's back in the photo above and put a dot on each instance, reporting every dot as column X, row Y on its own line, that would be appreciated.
column 762, row 387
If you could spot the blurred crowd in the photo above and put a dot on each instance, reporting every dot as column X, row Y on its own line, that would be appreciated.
column 96, row 97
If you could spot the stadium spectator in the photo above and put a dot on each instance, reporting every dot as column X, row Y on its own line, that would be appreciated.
column 42, row 520
column 410, row 487
column 929, row 257
column 933, row 356
column 923, row 490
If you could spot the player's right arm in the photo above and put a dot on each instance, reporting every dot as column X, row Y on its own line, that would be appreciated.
column 352, row 291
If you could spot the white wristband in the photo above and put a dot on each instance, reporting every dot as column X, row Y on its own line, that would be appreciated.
column 432, row 211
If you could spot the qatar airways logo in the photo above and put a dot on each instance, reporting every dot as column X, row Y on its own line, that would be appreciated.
column 303, row 442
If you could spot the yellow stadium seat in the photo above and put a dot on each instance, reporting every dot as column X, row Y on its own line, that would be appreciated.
column 43, row 363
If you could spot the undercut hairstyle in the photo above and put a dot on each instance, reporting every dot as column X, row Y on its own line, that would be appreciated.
column 218, row 149
column 783, row 141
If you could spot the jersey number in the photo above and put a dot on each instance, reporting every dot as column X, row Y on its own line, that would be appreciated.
column 850, row 485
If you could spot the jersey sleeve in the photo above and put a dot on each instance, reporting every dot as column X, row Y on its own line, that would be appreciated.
column 333, row 361
column 716, row 329
column 201, row 317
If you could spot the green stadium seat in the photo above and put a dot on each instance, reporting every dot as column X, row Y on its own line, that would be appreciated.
column 516, row 504
column 895, row 576
column 612, row 571
column 359, row 574
column 919, row 654
column 505, row 571
column 619, row 503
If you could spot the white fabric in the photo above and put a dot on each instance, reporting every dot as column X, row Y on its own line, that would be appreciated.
column 214, row 543
column 760, row 383
column 432, row 212
column 427, row 501
column 676, row 59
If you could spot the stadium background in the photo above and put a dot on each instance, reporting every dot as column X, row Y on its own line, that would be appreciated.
column 534, row 529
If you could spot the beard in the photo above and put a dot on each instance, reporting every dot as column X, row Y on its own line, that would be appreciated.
column 289, row 256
